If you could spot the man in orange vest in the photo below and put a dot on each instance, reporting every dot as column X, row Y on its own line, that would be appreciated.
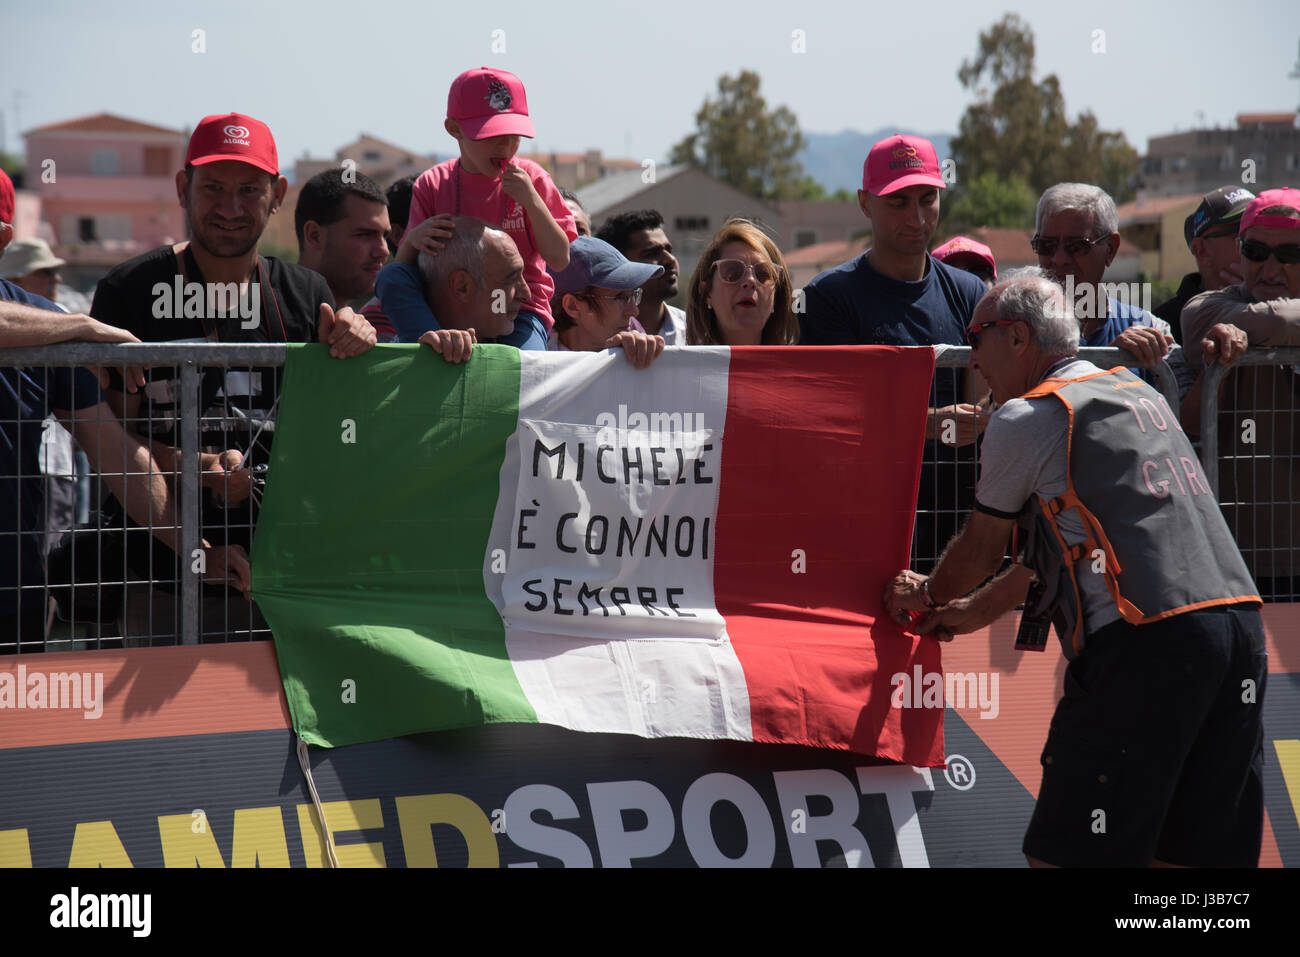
column 1156, row 749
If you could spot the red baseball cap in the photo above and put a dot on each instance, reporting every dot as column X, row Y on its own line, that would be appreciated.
column 233, row 136
column 489, row 103
column 898, row 162
column 1269, row 198
column 960, row 247
column 6, row 198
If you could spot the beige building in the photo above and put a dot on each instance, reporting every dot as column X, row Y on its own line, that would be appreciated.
column 382, row 161
column 105, row 186
column 808, row 223
column 573, row 170
column 1262, row 151
column 806, row 262
column 692, row 203
column 1155, row 226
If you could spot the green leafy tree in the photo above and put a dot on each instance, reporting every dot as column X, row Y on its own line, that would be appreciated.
column 989, row 200
column 1017, row 127
column 812, row 190
column 740, row 140
column 12, row 164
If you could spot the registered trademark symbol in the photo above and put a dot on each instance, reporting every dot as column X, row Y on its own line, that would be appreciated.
column 960, row 773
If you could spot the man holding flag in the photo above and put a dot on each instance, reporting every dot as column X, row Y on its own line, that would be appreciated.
column 1155, row 750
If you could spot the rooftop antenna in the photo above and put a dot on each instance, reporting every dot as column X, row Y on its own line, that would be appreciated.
column 1295, row 71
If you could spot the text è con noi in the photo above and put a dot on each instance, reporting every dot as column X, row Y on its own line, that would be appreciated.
column 620, row 536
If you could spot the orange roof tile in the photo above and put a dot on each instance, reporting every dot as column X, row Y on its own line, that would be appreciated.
column 836, row 251
column 103, row 123
column 1151, row 209
column 1246, row 119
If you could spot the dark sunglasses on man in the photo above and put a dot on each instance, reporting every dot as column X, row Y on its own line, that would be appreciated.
column 1075, row 246
column 1288, row 254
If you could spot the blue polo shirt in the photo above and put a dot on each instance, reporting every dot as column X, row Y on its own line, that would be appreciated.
column 1120, row 315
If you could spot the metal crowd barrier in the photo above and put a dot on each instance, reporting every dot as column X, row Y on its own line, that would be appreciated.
column 1251, row 431
column 158, row 599
column 162, row 606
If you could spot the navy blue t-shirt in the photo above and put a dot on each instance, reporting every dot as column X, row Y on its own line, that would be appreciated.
column 27, row 396
column 853, row 304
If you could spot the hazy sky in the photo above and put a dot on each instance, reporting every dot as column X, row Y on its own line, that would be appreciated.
column 624, row 77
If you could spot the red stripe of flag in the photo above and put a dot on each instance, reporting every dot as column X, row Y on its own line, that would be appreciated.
column 823, row 458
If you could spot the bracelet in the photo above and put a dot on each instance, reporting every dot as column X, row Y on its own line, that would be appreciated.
column 926, row 596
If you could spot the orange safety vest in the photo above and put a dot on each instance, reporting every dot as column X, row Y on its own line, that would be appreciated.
column 1152, row 527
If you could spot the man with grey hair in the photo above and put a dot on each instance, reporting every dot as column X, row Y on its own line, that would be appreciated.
column 1127, row 554
column 476, row 280
column 1076, row 237
column 458, row 273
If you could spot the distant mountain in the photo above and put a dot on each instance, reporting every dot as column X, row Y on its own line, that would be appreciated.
column 835, row 159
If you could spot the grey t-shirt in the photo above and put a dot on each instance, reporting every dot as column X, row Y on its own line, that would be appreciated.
column 1024, row 456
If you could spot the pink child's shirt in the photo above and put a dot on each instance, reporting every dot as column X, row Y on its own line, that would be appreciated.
column 482, row 196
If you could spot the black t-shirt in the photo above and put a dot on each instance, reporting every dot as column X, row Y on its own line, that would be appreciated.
column 152, row 298
column 1172, row 308
column 158, row 300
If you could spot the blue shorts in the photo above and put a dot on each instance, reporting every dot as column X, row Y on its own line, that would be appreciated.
column 1156, row 749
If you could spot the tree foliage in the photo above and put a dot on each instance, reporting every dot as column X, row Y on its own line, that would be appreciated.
column 810, row 189
column 13, row 164
column 1017, row 127
column 741, row 141
column 989, row 200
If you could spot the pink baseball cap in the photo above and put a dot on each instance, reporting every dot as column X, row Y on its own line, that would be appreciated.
column 233, row 136
column 489, row 103
column 898, row 162
column 1271, row 197
column 6, row 198
column 960, row 247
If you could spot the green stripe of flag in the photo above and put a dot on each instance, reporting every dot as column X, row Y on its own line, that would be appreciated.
column 396, row 602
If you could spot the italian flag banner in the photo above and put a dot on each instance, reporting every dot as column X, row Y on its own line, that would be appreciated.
column 697, row 549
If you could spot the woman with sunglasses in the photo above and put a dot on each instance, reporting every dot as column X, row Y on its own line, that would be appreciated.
column 740, row 292
column 595, row 303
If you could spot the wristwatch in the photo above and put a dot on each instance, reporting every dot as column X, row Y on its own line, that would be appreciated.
column 926, row 596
